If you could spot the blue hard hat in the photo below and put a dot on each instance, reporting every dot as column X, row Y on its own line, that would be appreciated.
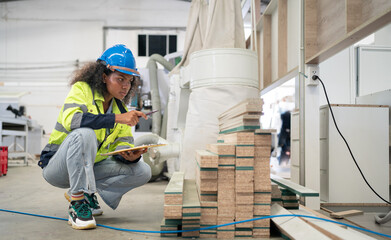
column 120, row 58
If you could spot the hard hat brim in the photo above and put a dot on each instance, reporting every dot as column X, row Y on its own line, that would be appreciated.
column 125, row 70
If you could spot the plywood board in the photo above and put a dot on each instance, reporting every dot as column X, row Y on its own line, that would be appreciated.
column 207, row 159
column 262, row 151
column 267, row 50
column 174, row 190
column 172, row 211
column 240, row 138
column 245, row 161
column 247, row 105
column 222, row 149
column 208, row 195
column 346, row 213
column 294, row 187
column 294, row 228
column 332, row 230
column 262, row 197
column 282, row 38
column 245, row 151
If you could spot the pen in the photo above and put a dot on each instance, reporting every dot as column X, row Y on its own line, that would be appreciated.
column 150, row 113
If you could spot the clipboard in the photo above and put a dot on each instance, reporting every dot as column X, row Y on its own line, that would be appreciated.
column 132, row 149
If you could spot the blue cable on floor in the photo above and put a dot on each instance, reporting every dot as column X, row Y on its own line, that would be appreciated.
column 211, row 227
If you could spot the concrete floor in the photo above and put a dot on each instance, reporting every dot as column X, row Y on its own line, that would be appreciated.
column 24, row 190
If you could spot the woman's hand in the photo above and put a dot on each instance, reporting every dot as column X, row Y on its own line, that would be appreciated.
column 133, row 155
column 130, row 118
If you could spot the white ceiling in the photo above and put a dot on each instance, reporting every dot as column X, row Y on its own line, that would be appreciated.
column 144, row 13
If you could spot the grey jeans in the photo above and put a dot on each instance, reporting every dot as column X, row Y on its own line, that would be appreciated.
column 73, row 167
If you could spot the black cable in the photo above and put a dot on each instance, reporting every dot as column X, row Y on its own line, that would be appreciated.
column 314, row 77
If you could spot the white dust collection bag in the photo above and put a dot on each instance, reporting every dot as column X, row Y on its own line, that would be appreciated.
column 219, row 79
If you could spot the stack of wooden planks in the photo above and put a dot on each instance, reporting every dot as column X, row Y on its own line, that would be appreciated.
column 276, row 194
column 173, row 200
column 191, row 210
column 226, row 187
column 262, row 183
column 182, row 208
column 239, row 165
column 232, row 181
column 243, row 116
column 206, row 179
column 289, row 199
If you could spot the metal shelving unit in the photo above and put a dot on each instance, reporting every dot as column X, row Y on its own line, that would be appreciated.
column 16, row 128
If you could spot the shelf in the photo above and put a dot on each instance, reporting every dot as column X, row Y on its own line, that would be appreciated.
column 17, row 154
column 333, row 25
column 13, row 133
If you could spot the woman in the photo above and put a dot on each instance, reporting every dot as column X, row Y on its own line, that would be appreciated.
column 92, row 121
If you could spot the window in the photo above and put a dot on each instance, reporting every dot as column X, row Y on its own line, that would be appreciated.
column 160, row 44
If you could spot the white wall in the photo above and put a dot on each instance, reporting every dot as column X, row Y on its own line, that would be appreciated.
column 47, row 33
column 338, row 72
column 335, row 74
column 130, row 39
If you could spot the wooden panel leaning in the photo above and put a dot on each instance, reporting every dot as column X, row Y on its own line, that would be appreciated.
column 173, row 197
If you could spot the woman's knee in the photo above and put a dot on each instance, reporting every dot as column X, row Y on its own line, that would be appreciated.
column 145, row 172
column 87, row 135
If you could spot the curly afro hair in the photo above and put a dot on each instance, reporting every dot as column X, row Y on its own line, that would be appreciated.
column 92, row 74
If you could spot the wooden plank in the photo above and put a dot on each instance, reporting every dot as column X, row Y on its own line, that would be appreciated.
column 206, row 185
column 263, row 137
column 244, row 151
column 311, row 28
column 231, row 125
column 222, row 149
column 191, row 209
column 363, row 30
column 282, row 38
column 172, row 211
column 358, row 105
column 293, row 227
column 262, row 197
column 262, row 151
column 227, row 161
column 240, row 121
column 240, row 129
column 359, row 11
column 331, row 22
column 294, row 187
column 332, row 230
column 249, row 105
column 174, row 190
column 267, row 50
column 347, row 213
column 253, row 116
column 176, row 184
column 207, row 159
column 208, row 213
column 353, row 14
column 226, row 192
column 239, row 138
